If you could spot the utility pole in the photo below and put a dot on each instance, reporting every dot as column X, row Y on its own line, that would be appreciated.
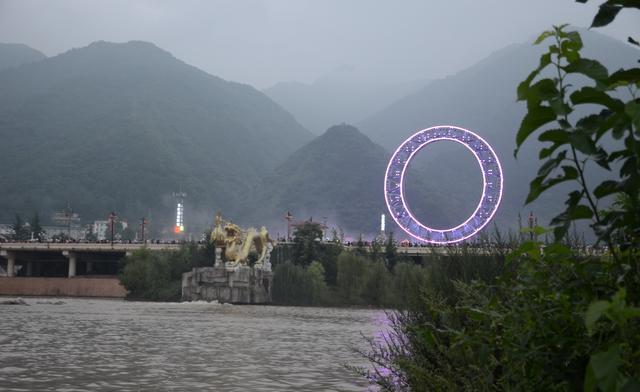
column 143, row 222
column 289, row 218
column 68, row 213
column 112, row 218
column 533, row 223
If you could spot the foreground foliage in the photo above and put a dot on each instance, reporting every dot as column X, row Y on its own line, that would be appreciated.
column 552, row 318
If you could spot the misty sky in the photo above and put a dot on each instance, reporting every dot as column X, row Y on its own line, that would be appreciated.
column 262, row 42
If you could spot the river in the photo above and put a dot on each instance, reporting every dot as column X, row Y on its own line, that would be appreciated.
column 105, row 345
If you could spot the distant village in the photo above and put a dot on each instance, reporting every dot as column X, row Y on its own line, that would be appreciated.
column 67, row 227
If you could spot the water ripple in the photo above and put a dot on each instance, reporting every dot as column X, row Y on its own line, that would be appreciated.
column 104, row 345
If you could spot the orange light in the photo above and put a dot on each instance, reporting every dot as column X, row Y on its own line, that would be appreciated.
column 176, row 230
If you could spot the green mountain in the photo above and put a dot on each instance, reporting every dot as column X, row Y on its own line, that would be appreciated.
column 123, row 126
column 14, row 55
column 483, row 98
column 339, row 178
column 342, row 95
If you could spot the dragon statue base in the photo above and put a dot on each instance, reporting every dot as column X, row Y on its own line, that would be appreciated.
column 241, row 272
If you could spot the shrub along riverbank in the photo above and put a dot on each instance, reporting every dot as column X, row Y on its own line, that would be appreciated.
column 551, row 318
column 323, row 274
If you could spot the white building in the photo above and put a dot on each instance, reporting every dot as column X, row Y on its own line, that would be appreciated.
column 100, row 228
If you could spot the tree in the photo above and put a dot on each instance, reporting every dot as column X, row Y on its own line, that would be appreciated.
column 128, row 234
column 360, row 250
column 352, row 270
column 575, row 144
column 307, row 239
column 91, row 236
column 20, row 231
column 376, row 252
column 391, row 252
column 37, row 232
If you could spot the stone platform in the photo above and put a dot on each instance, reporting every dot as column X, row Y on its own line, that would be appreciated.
column 240, row 285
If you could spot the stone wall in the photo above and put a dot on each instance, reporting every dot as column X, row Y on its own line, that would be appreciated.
column 241, row 285
column 63, row 287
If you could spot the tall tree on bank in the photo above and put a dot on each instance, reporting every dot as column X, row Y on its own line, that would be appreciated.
column 37, row 232
column 20, row 232
column 307, row 238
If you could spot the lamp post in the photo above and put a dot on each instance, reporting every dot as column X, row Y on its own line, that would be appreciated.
column 143, row 222
column 68, row 214
column 289, row 218
column 112, row 218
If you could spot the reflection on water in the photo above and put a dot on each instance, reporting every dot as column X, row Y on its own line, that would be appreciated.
column 85, row 344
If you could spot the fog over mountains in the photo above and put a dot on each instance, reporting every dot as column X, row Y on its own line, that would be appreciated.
column 14, row 55
column 123, row 126
column 483, row 98
column 342, row 95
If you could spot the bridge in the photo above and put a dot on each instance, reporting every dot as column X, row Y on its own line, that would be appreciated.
column 32, row 256
column 91, row 269
column 66, row 269
column 47, row 258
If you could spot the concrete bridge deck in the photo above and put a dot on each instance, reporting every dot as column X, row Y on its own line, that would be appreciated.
column 82, row 246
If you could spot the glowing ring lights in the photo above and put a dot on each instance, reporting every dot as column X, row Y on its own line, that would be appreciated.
column 491, row 184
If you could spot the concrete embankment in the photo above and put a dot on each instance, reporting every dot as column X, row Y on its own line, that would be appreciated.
column 105, row 287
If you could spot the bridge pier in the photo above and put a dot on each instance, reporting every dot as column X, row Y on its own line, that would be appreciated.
column 73, row 257
column 11, row 262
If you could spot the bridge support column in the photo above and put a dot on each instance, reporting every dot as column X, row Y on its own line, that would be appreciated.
column 89, row 267
column 29, row 268
column 11, row 262
column 72, row 256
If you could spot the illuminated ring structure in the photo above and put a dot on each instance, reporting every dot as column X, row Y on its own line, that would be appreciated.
column 491, row 184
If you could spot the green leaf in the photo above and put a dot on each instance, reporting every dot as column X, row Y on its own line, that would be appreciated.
column 581, row 212
column 551, row 164
column 632, row 109
column 539, row 185
column 583, row 143
column 606, row 14
column 592, row 95
column 575, row 39
column 624, row 77
column 594, row 312
column 523, row 87
column 570, row 172
column 546, row 152
column 542, row 90
column 591, row 68
column 606, row 188
column 555, row 135
column 534, row 119
column 632, row 385
column 543, row 36
column 560, row 107
column 604, row 367
column 573, row 213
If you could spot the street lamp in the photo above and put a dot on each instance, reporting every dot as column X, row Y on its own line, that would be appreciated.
column 112, row 218
column 288, row 218
column 143, row 222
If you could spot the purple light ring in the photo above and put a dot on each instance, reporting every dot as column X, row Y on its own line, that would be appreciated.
column 493, row 205
column 484, row 185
